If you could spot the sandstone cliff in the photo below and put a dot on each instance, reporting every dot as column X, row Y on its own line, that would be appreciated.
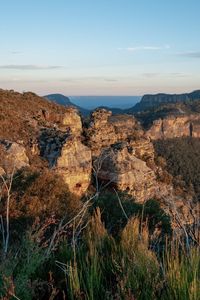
column 121, row 167
column 175, row 126
column 68, row 156
column 13, row 157
column 37, row 129
column 123, row 156
column 105, row 129
column 150, row 101
column 53, row 134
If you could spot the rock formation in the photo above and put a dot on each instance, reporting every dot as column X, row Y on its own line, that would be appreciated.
column 46, row 130
column 13, row 156
column 105, row 129
column 39, row 129
column 121, row 167
column 150, row 101
column 123, row 155
column 66, row 154
column 75, row 166
column 175, row 126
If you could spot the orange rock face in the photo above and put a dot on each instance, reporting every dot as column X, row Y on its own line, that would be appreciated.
column 173, row 127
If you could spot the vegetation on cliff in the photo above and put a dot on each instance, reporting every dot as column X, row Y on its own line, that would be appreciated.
column 182, row 156
column 71, row 223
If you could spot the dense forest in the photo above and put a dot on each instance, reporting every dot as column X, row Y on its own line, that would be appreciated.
column 182, row 157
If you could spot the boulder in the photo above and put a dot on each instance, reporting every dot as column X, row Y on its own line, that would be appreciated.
column 127, row 172
column 14, row 156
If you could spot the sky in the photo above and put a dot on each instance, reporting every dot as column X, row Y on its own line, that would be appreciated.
column 100, row 47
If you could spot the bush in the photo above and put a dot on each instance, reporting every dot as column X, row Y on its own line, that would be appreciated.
column 115, row 220
column 42, row 195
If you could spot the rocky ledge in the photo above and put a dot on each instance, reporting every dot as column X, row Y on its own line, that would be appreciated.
column 113, row 148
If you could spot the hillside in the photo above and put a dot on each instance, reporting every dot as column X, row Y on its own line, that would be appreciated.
column 72, row 190
column 21, row 114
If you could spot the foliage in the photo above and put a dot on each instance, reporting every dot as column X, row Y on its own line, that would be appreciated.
column 115, row 220
column 20, row 268
column 182, row 273
column 182, row 157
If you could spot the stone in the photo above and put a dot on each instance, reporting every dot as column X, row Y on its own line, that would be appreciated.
column 105, row 129
column 128, row 173
column 75, row 166
column 72, row 120
column 175, row 126
column 15, row 157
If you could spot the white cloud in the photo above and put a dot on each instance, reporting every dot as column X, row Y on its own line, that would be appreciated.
column 190, row 54
column 145, row 48
column 29, row 67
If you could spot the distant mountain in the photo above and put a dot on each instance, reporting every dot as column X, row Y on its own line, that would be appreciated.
column 92, row 102
column 163, row 110
column 59, row 99
column 150, row 101
column 65, row 101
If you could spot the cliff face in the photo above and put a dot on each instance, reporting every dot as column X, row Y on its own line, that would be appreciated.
column 105, row 129
column 66, row 154
column 121, row 167
column 116, row 147
column 36, row 129
column 173, row 127
column 13, row 157
column 123, row 156
column 75, row 166
column 149, row 101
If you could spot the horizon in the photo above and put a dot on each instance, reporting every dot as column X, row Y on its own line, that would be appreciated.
column 78, row 48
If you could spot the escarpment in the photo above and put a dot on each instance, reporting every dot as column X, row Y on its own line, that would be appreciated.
column 13, row 156
column 125, row 155
column 114, row 148
column 175, row 126
column 121, row 167
column 106, row 129
column 33, row 128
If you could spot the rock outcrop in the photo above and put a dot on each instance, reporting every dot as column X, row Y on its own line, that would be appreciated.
column 13, row 156
column 72, row 120
column 105, row 129
column 66, row 154
column 47, row 130
column 175, row 126
column 55, row 134
column 75, row 165
column 125, row 155
column 121, row 167
column 150, row 101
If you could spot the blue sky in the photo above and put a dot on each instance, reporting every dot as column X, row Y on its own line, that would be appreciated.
column 100, row 47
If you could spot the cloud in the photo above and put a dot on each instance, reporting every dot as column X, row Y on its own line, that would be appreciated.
column 29, row 67
column 16, row 52
column 145, row 48
column 190, row 54
column 165, row 75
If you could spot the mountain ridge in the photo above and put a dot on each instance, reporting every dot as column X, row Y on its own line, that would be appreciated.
column 65, row 101
column 154, row 100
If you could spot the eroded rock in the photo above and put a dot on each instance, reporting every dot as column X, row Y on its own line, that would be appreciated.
column 75, row 165
column 14, row 156
column 105, row 129
column 128, row 173
column 174, row 127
